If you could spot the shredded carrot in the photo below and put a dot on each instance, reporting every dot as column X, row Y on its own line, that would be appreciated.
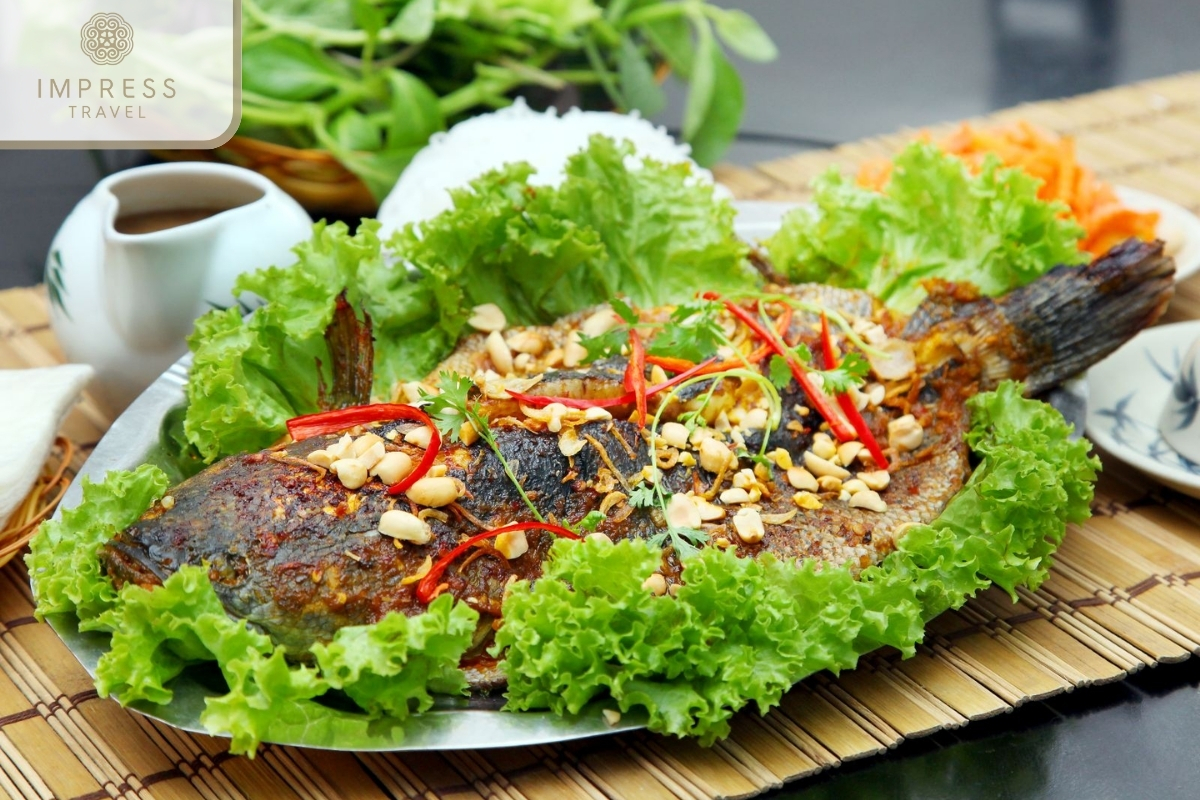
column 1051, row 159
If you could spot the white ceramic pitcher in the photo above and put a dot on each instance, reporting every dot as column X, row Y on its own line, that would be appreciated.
column 125, row 302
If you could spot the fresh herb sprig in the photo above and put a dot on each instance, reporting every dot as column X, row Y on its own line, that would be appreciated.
column 850, row 374
column 692, row 333
column 453, row 407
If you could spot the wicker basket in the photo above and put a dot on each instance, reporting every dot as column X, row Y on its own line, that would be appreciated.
column 314, row 177
column 39, row 504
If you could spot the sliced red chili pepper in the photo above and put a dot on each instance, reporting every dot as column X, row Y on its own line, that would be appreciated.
column 635, row 375
column 671, row 364
column 427, row 588
column 543, row 400
column 340, row 419
column 846, row 403
column 831, row 360
column 818, row 398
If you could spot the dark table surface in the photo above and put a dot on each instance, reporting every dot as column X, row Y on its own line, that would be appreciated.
column 849, row 69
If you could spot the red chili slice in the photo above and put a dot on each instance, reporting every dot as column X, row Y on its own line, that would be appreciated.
column 839, row 426
column 671, row 364
column 340, row 419
column 845, row 402
column 635, row 375
column 427, row 589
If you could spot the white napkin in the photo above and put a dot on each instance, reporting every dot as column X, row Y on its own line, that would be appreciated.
column 33, row 404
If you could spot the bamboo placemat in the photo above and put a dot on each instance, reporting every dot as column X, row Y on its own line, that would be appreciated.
column 1122, row 596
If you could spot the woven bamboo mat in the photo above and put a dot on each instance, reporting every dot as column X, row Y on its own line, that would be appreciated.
column 1123, row 595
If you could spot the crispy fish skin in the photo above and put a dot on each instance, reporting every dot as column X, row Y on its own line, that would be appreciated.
column 296, row 554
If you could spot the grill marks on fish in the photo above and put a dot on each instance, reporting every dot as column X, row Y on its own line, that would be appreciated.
column 276, row 534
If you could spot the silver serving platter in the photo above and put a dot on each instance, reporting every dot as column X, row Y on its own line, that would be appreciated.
column 453, row 723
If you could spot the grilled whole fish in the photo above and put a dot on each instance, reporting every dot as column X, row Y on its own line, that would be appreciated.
column 297, row 554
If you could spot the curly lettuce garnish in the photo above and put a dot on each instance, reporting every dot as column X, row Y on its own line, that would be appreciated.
column 933, row 219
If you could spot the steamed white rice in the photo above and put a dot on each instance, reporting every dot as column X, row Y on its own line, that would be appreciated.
column 517, row 133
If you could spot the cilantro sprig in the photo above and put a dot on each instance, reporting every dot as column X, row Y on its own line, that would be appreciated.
column 850, row 374
column 692, row 333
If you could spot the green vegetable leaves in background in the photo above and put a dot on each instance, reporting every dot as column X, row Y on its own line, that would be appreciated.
column 414, row 23
column 371, row 81
column 743, row 35
column 744, row 630
column 638, row 84
column 933, row 220
column 289, row 69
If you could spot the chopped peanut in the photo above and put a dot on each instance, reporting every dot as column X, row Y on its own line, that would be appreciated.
column 405, row 527
column 821, row 467
column 869, row 500
column 800, row 478
column 487, row 318
column 749, row 525
column 350, row 471
column 905, row 433
column 512, row 544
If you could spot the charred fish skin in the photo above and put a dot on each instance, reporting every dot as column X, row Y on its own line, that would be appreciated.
column 297, row 554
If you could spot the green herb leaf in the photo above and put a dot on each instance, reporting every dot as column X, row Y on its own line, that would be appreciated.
column 355, row 131
column 692, row 333
column 703, row 80
column 288, row 69
column 672, row 37
column 590, row 522
column 414, row 23
column 779, row 372
column 852, row 372
column 450, row 408
column 743, row 35
column 723, row 116
column 415, row 113
column 638, row 85
column 606, row 345
column 642, row 496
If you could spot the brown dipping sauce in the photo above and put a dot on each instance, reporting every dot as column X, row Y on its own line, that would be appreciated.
column 151, row 221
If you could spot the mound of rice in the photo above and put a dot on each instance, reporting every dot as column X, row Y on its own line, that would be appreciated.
column 516, row 133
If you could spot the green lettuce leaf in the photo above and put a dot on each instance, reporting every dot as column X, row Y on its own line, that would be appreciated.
column 63, row 558
column 933, row 219
column 391, row 667
column 745, row 630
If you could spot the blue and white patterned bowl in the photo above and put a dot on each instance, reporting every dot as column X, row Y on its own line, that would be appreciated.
column 1127, row 393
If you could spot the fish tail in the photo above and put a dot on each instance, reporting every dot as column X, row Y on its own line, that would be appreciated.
column 1060, row 324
